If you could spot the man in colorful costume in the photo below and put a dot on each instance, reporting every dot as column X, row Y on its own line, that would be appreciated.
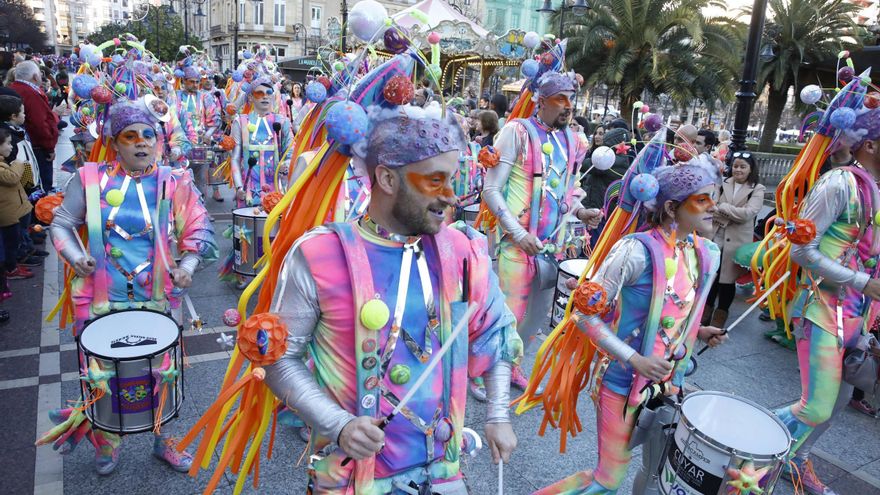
column 837, row 288
column 531, row 193
column 128, row 263
column 218, row 106
column 262, row 139
column 202, row 113
column 330, row 292
column 644, row 349
column 174, row 143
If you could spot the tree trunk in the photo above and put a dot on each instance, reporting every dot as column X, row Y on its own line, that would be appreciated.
column 626, row 105
column 775, row 105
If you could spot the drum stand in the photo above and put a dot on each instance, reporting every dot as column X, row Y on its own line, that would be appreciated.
column 655, row 425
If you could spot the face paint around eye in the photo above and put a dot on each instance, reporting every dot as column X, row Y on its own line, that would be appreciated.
column 132, row 137
column 699, row 203
column 435, row 184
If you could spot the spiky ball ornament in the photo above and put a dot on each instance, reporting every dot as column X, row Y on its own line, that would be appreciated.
column 399, row 90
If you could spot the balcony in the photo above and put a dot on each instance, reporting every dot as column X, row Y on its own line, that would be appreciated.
column 218, row 30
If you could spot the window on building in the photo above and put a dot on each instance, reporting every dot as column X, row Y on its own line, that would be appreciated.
column 533, row 24
column 280, row 52
column 241, row 16
column 514, row 20
column 125, row 3
column 258, row 13
column 225, row 49
column 125, row 15
column 317, row 15
column 279, row 13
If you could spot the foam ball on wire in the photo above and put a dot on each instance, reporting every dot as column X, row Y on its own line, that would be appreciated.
column 366, row 19
column 531, row 40
column 399, row 90
column 231, row 317
column 338, row 66
column 843, row 118
column 83, row 85
column 178, row 73
column 602, row 158
column 120, row 87
column 237, row 76
column 684, row 152
column 530, row 67
column 653, row 122
column 644, row 187
column 637, row 105
column 547, row 59
column 872, row 100
column 346, row 122
column 247, row 54
column 434, row 37
column 102, row 95
column 316, row 92
column 810, row 94
column 394, row 41
column 846, row 73
column 645, row 109
column 325, row 81
column 248, row 75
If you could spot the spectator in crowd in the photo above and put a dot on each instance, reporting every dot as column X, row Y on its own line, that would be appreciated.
column 597, row 181
column 740, row 201
column 596, row 140
column 14, row 205
column 498, row 104
column 42, row 121
column 484, row 103
column 487, row 128
column 723, row 148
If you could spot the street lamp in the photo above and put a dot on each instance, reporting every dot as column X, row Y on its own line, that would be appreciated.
column 579, row 8
column 767, row 54
column 299, row 29
column 747, row 84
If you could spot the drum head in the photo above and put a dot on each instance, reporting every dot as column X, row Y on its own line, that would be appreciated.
column 475, row 208
column 736, row 423
column 129, row 334
column 248, row 212
column 574, row 267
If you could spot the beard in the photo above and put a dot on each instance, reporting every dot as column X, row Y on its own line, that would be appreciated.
column 561, row 121
column 413, row 218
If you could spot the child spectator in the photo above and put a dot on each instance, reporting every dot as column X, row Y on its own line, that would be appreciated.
column 14, row 205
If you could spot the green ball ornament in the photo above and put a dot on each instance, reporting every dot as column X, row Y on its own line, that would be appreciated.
column 671, row 268
column 86, row 111
column 388, row 21
column 400, row 374
column 338, row 66
column 877, row 218
column 547, row 148
column 633, row 141
column 870, row 262
column 114, row 197
column 120, row 87
column 637, row 105
column 667, row 322
column 554, row 182
column 550, row 248
column 116, row 252
column 375, row 314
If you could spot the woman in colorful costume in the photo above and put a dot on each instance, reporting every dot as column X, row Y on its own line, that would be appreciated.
column 122, row 267
column 644, row 349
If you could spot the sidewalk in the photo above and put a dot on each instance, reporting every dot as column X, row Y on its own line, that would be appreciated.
column 38, row 372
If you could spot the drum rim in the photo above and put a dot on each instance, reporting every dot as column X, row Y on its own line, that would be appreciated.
column 726, row 448
column 173, row 344
column 262, row 214
column 571, row 259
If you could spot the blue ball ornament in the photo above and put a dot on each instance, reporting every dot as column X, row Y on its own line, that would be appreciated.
column 247, row 54
column 83, row 85
column 95, row 60
column 316, row 92
column 237, row 76
column 117, row 59
column 530, row 68
column 843, row 118
column 346, row 122
column 74, row 56
column 178, row 73
column 246, row 87
column 644, row 187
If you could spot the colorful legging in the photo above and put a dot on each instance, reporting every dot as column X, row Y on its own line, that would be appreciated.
column 823, row 391
column 614, row 431
column 516, row 270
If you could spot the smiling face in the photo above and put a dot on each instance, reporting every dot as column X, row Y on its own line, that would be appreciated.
column 423, row 193
column 740, row 170
column 598, row 136
column 696, row 211
column 135, row 147
column 555, row 110
column 261, row 98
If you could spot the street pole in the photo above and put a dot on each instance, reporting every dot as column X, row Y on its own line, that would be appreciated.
column 235, row 38
column 562, row 20
column 344, row 23
column 185, row 23
column 746, row 93
column 158, row 48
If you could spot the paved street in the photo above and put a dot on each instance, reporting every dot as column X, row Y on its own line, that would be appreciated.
column 38, row 372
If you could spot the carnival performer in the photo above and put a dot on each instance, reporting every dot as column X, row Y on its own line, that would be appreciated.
column 531, row 192
column 671, row 266
column 121, row 269
column 838, row 287
column 362, row 367
column 215, row 101
column 173, row 141
column 261, row 140
column 202, row 112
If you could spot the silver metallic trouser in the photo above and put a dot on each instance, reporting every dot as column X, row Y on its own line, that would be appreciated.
column 656, row 436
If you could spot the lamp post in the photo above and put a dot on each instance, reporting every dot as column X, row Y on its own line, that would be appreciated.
column 746, row 93
column 299, row 29
column 579, row 8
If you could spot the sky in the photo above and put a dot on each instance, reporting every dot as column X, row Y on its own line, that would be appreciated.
column 733, row 6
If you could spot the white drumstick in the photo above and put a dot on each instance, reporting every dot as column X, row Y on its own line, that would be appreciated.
column 757, row 303
column 80, row 242
column 501, row 477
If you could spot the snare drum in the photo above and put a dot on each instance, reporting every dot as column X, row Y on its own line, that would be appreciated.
column 201, row 155
column 132, row 344
column 247, row 238
column 572, row 268
column 470, row 213
column 217, row 180
column 718, row 433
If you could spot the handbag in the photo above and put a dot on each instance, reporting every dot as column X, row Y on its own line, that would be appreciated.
column 861, row 364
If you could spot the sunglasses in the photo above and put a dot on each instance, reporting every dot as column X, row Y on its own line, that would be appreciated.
column 259, row 93
column 742, row 154
column 130, row 137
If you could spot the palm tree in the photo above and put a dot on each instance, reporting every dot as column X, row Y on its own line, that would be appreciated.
column 662, row 46
column 801, row 32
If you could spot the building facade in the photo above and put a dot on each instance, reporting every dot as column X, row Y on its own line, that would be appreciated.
column 499, row 16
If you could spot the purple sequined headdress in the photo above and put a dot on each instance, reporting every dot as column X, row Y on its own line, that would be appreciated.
column 554, row 82
column 406, row 135
column 124, row 114
column 677, row 182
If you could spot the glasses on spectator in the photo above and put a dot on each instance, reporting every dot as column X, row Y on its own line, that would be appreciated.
column 742, row 154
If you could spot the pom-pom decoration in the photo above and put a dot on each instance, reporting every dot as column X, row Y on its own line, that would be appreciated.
column 325, row 81
column 810, row 94
column 45, row 207
column 644, row 187
column 366, row 19
column 120, row 87
column 271, row 200
column 394, row 41
column 547, row 59
column 83, row 85
column 645, row 109
column 434, row 37
column 399, row 90
column 316, row 92
column 653, row 122
column 843, row 118
column 602, row 158
column 872, row 100
column 800, row 231
column 227, row 143
column 846, row 73
column 374, row 314
column 531, row 40
column 489, row 157
column 530, row 67
column 247, row 54
column 346, row 122
column 101, row 95
column 590, row 298
column 114, row 197
column 263, row 339
column 237, row 76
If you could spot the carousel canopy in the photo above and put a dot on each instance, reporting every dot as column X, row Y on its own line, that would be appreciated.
column 437, row 11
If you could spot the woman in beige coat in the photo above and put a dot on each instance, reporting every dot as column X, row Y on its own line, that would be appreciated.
column 740, row 201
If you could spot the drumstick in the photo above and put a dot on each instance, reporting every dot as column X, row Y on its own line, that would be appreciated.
column 438, row 357
column 754, row 305
column 83, row 247
column 501, row 477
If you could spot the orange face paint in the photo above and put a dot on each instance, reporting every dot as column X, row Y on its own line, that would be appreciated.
column 559, row 100
column 134, row 137
column 435, row 185
column 698, row 203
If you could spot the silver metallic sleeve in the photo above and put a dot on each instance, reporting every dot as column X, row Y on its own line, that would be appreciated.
column 68, row 217
column 236, row 161
column 296, row 302
column 507, row 143
column 826, row 202
column 189, row 262
column 599, row 333
column 497, row 380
